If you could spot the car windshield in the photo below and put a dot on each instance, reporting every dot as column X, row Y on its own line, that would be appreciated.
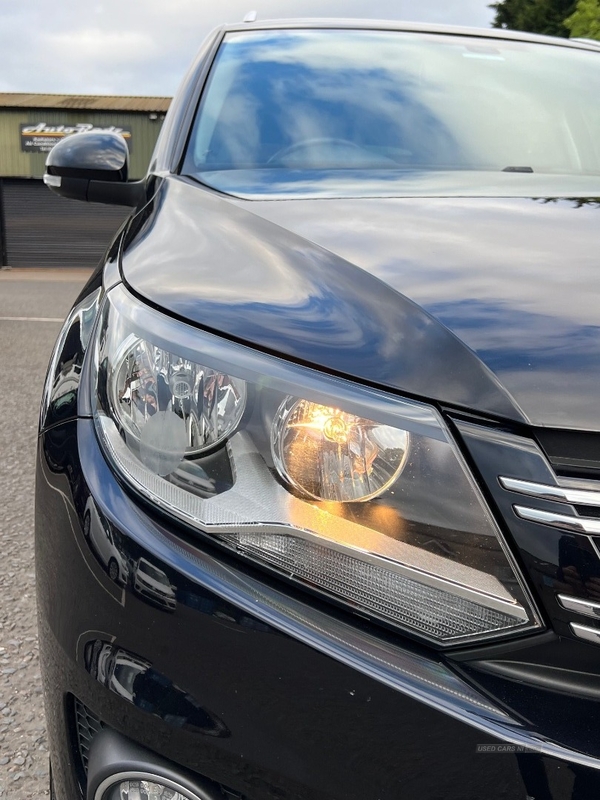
column 341, row 112
column 152, row 572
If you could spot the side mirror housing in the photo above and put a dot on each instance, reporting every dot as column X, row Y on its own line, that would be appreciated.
column 94, row 167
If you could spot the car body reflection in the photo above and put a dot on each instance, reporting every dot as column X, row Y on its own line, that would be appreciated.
column 98, row 532
column 134, row 679
column 153, row 584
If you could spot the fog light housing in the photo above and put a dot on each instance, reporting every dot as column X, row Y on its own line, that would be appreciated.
column 144, row 786
column 120, row 769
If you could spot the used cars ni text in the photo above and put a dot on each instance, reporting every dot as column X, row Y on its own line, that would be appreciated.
column 321, row 517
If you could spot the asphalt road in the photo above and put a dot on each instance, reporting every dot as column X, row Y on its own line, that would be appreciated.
column 32, row 306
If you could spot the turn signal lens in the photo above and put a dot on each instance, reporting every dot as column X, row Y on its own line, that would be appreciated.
column 328, row 454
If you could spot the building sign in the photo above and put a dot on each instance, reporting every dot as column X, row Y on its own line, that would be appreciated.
column 38, row 137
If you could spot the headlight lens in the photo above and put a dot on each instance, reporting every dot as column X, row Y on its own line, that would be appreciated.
column 354, row 493
column 172, row 407
column 329, row 454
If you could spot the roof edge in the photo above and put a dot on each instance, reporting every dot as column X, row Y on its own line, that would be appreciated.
column 409, row 27
column 84, row 102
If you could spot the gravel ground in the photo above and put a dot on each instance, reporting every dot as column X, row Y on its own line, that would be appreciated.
column 25, row 345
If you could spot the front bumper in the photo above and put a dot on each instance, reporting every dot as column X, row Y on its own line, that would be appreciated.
column 248, row 684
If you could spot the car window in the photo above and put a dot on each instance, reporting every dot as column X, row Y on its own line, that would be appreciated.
column 388, row 104
column 152, row 572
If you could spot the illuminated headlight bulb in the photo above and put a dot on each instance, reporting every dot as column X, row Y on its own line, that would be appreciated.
column 328, row 454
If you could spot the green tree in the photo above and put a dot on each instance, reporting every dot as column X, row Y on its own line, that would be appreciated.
column 584, row 22
column 534, row 16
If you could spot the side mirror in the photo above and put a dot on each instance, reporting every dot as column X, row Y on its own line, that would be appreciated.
column 93, row 166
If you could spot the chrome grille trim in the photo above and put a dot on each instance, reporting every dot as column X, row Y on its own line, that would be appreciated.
column 584, row 632
column 561, row 494
column 579, row 605
column 562, row 521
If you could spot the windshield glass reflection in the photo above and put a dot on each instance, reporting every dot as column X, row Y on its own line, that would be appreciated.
column 370, row 101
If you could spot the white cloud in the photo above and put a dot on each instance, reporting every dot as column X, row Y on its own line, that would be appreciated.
column 127, row 47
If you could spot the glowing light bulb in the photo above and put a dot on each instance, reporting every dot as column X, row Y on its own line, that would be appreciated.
column 329, row 454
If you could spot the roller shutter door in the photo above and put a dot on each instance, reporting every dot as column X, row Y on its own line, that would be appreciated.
column 45, row 230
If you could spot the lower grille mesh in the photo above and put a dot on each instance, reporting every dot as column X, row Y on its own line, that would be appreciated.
column 87, row 725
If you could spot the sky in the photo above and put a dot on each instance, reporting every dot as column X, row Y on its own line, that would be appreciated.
column 143, row 47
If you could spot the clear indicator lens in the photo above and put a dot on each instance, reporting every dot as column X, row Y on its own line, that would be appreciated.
column 391, row 596
column 328, row 454
column 172, row 406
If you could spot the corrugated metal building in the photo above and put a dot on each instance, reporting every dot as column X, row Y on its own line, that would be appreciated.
column 38, row 228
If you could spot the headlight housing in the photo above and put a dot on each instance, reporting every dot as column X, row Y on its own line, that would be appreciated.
column 171, row 406
column 351, row 492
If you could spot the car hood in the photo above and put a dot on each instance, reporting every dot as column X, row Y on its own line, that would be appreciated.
column 489, row 304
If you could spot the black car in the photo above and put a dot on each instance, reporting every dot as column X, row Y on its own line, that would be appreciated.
column 337, row 402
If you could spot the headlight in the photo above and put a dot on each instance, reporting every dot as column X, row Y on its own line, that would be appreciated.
column 172, row 406
column 351, row 492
